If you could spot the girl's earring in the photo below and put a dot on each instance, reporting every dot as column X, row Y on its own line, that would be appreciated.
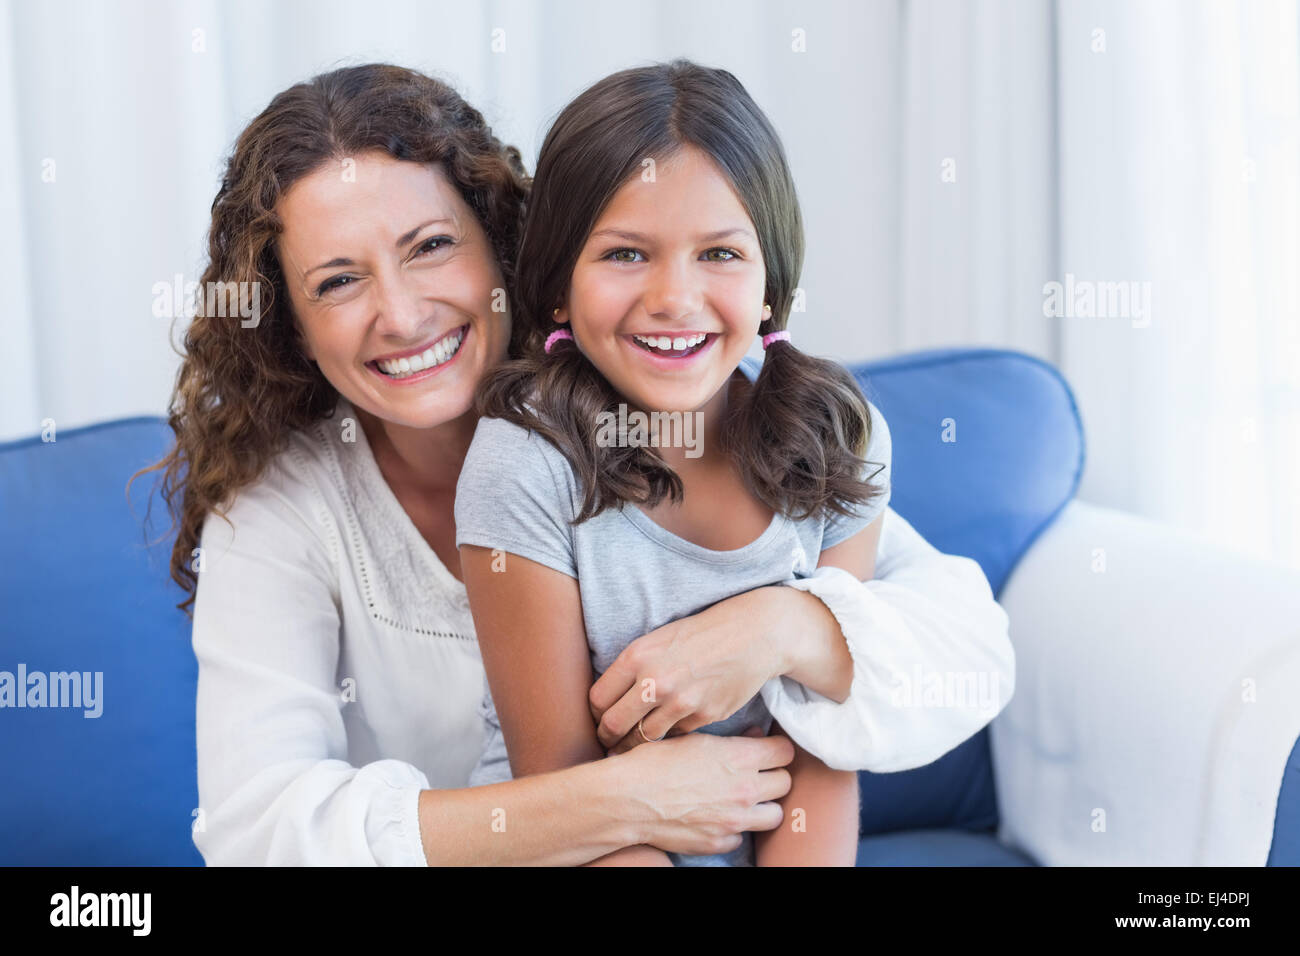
column 767, row 311
column 555, row 314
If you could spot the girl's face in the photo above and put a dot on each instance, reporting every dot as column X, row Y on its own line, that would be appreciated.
column 667, row 294
column 393, row 283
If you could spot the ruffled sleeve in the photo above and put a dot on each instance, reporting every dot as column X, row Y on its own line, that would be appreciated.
column 926, row 621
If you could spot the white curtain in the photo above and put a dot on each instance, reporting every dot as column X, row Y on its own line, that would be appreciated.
column 953, row 159
column 1180, row 167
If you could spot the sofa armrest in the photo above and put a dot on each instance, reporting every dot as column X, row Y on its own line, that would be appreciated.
column 1156, row 702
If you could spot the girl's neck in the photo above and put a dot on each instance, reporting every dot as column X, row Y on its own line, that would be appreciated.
column 708, row 479
column 709, row 435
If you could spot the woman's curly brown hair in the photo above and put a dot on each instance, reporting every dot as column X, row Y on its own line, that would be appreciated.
column 241, row 391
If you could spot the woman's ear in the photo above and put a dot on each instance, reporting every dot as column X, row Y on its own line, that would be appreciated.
column 560, row 315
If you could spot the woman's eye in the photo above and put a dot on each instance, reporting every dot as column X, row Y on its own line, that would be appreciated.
column 338, row 282
column 622, row 255
column 431, row 244
column 723, row 255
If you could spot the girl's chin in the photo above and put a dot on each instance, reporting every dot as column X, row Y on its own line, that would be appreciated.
column 673, row 396
column 677, row 400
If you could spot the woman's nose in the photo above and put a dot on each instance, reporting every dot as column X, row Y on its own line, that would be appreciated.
column 401, row 307
column 673, row 292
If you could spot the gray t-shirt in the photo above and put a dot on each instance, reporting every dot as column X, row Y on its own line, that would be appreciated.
column 518, row 493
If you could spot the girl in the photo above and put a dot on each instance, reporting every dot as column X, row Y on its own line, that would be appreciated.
column 663, row 236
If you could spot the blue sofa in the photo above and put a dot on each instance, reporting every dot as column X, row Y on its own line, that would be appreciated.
column 84, row 590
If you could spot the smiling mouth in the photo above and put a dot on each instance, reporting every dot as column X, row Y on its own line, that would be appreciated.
column 668, row 346
column 439, row 353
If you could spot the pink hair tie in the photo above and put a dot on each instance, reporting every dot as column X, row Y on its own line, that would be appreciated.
column 556, row 336
column 782, row 336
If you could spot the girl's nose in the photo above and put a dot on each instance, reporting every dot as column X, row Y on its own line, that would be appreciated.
column 673, row 293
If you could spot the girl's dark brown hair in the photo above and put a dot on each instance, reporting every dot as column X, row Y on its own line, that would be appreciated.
column 799, row 433
column 241, row 391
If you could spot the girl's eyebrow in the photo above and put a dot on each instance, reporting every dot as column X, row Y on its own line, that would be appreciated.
column 629, row 236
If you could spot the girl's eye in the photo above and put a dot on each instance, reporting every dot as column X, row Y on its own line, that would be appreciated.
column 431, row 244
column 622, row 255
column 726, row 255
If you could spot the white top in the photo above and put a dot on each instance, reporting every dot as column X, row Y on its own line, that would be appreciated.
column 339, row 673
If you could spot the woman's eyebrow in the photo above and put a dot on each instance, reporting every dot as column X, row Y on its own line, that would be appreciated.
column 402, row 240
column 329, row 265
column 406, row 237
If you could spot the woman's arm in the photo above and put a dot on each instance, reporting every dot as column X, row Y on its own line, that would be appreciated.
column 275, row 784
column 690, row 795
column 530, row 630
column 924, row 612
column 924, row 616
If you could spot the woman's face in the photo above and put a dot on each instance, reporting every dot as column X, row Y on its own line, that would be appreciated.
column 393, row 283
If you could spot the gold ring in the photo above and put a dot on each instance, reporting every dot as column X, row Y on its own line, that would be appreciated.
column 640, row 726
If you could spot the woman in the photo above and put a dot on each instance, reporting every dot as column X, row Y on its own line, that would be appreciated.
column 313, row 479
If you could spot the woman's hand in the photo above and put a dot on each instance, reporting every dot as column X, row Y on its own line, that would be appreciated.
column 696, row 670
column 701, row 792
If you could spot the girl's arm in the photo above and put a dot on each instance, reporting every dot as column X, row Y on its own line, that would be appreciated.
column 821, row 822
column 534, row 645
column 821, row 811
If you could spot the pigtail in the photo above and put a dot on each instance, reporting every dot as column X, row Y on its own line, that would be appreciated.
column 799, row 435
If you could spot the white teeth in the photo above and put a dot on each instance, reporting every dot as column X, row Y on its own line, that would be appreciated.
column 675, row 344
column 436, row 354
